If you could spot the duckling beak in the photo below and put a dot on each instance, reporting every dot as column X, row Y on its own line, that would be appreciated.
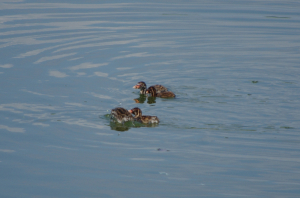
column 136, row 86
column 130, row 111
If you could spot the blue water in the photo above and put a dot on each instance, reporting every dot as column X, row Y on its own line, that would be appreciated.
column 232, row 130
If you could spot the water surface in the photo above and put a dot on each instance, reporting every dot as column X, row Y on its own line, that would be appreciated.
column 232, row 130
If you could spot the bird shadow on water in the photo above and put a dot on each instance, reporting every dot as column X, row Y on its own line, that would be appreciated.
column 126, row 125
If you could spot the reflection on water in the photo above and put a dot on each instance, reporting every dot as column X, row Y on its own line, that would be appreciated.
column 151, row 100
column 119, row 127
column 124, row 126
column 143, row 98
column 232, row 128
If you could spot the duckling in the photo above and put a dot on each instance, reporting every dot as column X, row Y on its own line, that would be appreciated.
column 121, row 115
column 143, row 87
column 144, row 119
column 167, row 94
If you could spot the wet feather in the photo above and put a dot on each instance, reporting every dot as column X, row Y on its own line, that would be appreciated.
column 143, row 87
column 168, row 94
column 121, row 115
column 144, row 119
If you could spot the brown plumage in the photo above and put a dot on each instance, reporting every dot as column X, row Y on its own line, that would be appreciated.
column 121, row 115
column 143, row 87
column 144, row 119
column 168, row 94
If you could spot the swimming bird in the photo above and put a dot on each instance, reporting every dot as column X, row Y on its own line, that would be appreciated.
column 144, row 119
column 143, row 87
column 168, row 94
column 121, row 115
